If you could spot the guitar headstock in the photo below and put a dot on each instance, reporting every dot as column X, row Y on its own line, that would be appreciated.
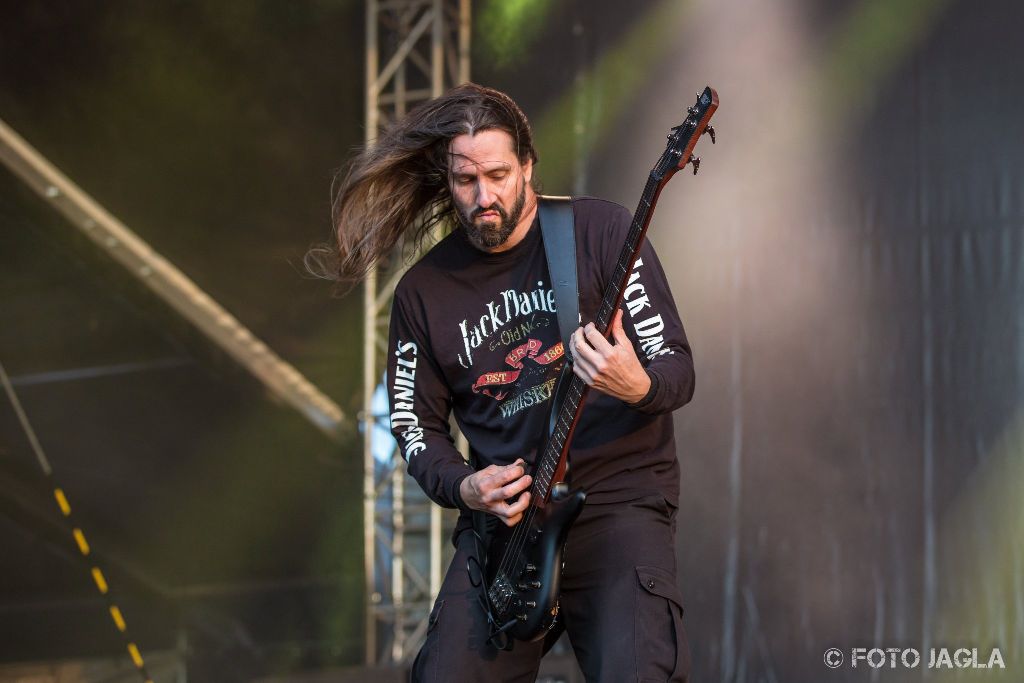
column 683, row 138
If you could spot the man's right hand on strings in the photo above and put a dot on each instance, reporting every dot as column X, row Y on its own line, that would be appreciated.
column 490, row 489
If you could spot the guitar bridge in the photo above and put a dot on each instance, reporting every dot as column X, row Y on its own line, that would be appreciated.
column 501, row 592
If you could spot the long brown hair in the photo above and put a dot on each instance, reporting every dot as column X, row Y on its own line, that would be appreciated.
column 399, row 184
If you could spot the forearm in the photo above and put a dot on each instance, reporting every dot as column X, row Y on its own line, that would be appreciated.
column 420, row 408
column 672, row 382
column 440, row 474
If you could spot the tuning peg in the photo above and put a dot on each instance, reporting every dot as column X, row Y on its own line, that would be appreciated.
column 696, row 163
column 710, row 131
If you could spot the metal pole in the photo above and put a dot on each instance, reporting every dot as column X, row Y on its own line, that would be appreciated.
column 407, row 44
column 369, row 362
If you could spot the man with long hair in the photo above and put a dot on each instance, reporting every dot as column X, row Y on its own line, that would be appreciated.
column 474, row 331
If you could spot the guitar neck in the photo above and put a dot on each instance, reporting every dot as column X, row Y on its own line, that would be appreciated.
column 568, row 412
column 678, row 154
column 630, row 250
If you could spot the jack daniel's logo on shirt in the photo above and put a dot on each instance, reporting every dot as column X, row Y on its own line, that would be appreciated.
column 511, row 306
column 512, row 321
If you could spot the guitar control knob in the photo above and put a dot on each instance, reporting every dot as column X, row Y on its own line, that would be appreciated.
column 529, row 569
column 531, row 604
column 522, row 617
column 535, row 584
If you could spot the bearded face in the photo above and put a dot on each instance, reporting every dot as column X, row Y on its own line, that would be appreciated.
column 490, row 227
column 489, row 189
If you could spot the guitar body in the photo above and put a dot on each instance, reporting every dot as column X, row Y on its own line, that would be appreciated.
column 524, row 593
column 523, row 564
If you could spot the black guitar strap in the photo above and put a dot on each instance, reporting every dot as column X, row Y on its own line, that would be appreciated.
column 557, row 225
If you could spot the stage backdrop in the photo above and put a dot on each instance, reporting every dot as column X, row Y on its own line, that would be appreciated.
column 849, row 264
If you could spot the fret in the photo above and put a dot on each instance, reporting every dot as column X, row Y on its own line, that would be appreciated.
column 568, row 405
column 549, row 469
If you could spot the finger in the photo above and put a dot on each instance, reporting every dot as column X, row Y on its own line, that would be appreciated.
column 586, row 352
column 597, row 339
column 593, row 361
column 617, row 331
column 583, row 340
column 511, row 514
column 521, row 484
column 508, row 491
column 574, row 343
column 504, row 475
column 584, row 370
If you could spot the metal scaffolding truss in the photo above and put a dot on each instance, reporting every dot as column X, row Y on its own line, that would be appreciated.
column 415, row 50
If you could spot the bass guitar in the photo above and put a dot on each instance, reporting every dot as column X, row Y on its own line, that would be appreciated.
column 523, row 564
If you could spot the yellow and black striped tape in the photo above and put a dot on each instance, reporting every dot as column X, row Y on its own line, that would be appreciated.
column 76, row 531
column 101, row 583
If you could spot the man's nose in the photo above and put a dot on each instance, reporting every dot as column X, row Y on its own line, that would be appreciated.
column 484, row 195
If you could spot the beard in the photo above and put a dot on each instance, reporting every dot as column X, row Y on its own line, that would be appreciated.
column 487, row 235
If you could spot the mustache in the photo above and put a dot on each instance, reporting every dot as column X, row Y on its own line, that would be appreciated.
column 485, row 209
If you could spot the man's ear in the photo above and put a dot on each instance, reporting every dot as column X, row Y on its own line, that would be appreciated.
column 528, row 170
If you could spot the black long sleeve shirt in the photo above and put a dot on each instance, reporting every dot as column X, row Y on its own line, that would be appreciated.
column 476, row 333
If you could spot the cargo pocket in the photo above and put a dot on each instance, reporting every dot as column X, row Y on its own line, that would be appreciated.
column 660, row 644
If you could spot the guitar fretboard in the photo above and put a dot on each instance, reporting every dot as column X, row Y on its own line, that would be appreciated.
column 577, row 391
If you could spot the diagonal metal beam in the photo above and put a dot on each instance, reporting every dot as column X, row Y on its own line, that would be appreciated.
column 403, row 51
column 169, row 283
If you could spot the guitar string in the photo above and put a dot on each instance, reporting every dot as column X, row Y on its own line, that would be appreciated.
column 648, row 198
column 575, row 393
column 518, row 541
column 550, row 458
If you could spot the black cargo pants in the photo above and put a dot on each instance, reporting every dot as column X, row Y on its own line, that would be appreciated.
column 620, row 605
